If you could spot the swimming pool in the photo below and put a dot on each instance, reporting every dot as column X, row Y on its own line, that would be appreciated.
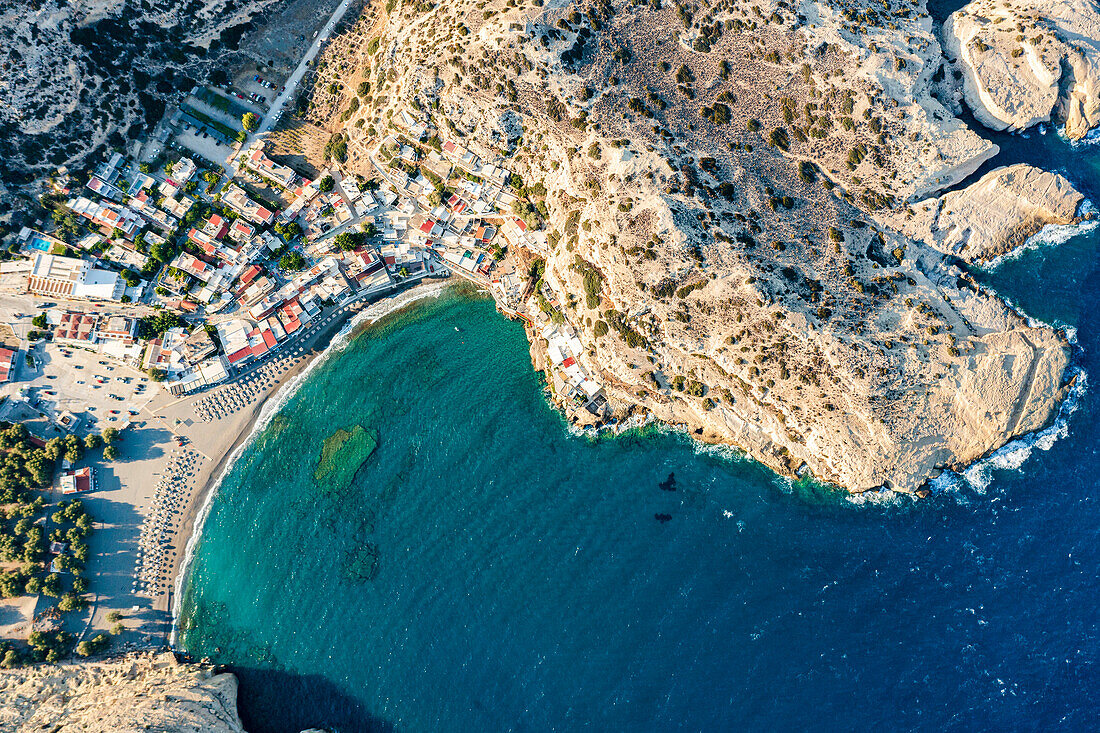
column 40, row 244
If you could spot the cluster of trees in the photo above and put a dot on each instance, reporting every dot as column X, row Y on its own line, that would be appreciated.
column 292, row 261
column 349, row 240
column 289, row 230
column 155, row 325
column 23, row 466
column 71, row 448
column 24, row 542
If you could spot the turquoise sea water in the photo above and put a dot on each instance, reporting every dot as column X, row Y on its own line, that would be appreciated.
column 487, row 571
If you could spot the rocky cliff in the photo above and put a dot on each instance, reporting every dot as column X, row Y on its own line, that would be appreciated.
column 719, row 182
column 1023, row 63
column 137, row 692
column 993, row 216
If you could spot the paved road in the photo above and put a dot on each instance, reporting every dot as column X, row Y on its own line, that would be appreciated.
column 292, row 82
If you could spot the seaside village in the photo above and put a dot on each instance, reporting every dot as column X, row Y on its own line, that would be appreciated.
column 196, row 272
column 163, row 289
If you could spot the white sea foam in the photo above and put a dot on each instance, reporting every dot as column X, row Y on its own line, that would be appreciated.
column 273, row 405
column 880, row 498
column 1013, row 455
column 1049, row 235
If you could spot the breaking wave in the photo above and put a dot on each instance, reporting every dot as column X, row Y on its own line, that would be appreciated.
column 1051, row 234
column 1012, row 455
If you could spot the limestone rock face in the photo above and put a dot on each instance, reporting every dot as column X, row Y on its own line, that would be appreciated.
column 721, row 199
column 1023, row 63
column 994, row 215
column 137, row 692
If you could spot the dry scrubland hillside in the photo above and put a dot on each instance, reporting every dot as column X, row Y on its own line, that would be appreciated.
column 726, row 185
column 78, row 76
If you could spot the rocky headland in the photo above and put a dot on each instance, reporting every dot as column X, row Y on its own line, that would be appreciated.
column 738, row 228
column 1023, row 63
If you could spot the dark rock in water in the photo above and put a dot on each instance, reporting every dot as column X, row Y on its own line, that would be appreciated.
column 343, row 453
column 669, row 484
column 662, row 518
column 361, row 563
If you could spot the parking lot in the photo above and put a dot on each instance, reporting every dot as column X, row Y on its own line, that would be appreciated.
column 101, row 392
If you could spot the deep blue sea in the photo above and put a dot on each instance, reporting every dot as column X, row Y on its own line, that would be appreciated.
column 486, row 570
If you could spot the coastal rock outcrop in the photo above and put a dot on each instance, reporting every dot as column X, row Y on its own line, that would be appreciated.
column 993, row 216
column 137, row 692
column 1023, row 63
column 717, row 192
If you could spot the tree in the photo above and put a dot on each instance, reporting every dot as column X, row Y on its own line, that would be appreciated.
column 327, row 184
column 250, row 121
column 161, row 252
column 85, row 649
column 346, row 241
column 153, row 326
column 54, row 448
column 74, row 449
column 12, row 584
column 289, row 230
column 110, row 435
column 51, row 585
column 39, row 321
column 114, row 617
column 292, row 261
column 70, row 602
column 92, row 441
column 110, row 453
column 11, row 659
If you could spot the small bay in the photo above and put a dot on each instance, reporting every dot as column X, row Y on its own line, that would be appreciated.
column 485, row 569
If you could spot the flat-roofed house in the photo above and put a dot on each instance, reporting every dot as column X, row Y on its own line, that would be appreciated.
column 68, row 277
column 236, row 199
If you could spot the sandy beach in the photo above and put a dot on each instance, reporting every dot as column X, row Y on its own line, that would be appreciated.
column 150, row 502
column 219, row 437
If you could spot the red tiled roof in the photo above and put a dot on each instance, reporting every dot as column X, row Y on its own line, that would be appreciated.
column 240, row 354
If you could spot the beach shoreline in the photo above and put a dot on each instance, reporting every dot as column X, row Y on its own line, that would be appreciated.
column 250, row 422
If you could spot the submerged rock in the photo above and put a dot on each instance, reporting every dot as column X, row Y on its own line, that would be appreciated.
column 343, row 453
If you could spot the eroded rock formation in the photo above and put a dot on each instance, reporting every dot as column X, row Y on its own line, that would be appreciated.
column 993, row 216
column 138, row 692
column 1029, row 62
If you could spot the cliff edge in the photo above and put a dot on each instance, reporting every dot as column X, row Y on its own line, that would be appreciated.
column 137, row 692
column 1023, row 63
